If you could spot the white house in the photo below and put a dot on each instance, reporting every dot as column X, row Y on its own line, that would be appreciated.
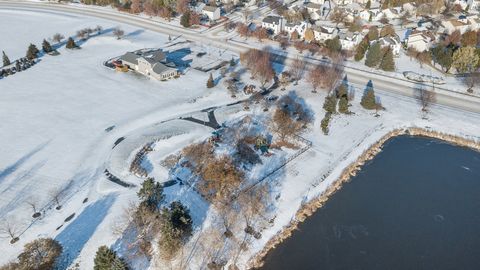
column 299, row 27
column 392, row 13
column 323, row 33
column 314, row 10
column 149, row 65
column 462, row 25
column 350, row 40
column 420, row 41
column 274, row 23
column 213, row 13
column 391, row 41
column 410, row 7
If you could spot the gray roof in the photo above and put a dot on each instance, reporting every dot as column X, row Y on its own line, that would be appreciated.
column 130, row 58
column 150, row 60
column 160, row 68
column 272, row 19
column 158, row 55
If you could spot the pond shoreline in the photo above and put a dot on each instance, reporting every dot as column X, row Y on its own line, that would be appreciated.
column 309, row 208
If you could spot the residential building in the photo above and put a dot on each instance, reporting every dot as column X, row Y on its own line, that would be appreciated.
column 213, row 13
column 149, row 64
column 350, row 40
column 461, row 24
column 391, row 41
column 420, row 41
column 299, row 27
column 323, row 33
column 275, row 23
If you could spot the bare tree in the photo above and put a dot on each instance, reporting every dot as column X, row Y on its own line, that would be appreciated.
column 57, row 37
column 117, row 32
column 33, row 203
column 424, row 97
column 10, row 228
column 57, row 195
column 82, row 34
column 284, row 125
column 246, row 13
column 297, row 69
column 315, row 77
column 98, row 29
column 253, row 203
column 471, row 80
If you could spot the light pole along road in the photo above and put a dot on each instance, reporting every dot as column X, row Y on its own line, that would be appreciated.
column 357, row 76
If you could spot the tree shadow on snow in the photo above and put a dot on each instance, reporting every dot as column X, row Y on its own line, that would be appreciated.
column 75, row 236
column 135, row 33
column 13, row 167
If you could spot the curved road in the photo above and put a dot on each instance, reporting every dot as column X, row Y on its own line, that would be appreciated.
column 384, row 82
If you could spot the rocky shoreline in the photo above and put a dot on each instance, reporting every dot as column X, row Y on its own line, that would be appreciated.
column 351, row 170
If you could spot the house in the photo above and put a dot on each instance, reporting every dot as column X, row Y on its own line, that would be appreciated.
column 323, row 33
column 373, row 14
column 274, row 23
column 350, row 40
column 300, row 27
column 393, row 42
column 198, row 8
column 213, row 13
column 410, row 7
column 149, row 64
column 461, row 24
column 420, row 41
column 392, row 13
column 314, row 10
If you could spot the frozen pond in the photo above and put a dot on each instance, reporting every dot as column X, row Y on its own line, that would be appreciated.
column 414, row 206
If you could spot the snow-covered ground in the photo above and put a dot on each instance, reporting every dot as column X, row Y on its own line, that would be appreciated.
column 57, row 120
column 54, row 121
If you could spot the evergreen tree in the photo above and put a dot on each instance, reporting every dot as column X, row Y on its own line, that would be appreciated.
column 368, row 5
column 361, row 49
column 151, row 194
column 210, row 82
column 343, row 105
column 6, row 60
column 46, row 46
column 443, row 56
column 18, row 67
column 368, row 99
column 330, row 104
column 179, row 217
column 32, row 52
column 374, row 55
column 71, row 44
column 334, row 44
column 185, row 19
column 232, row 62
column 342, row 95
column 107, row 259
column 175, row 228
column 388, row 64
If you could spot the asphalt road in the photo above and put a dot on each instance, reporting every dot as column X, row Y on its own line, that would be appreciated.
column 381, row 81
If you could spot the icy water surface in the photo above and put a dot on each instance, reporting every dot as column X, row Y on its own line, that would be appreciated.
column 414, row 206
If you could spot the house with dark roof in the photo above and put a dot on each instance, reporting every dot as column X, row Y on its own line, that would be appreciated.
column 149, row 64
column 274, row 23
